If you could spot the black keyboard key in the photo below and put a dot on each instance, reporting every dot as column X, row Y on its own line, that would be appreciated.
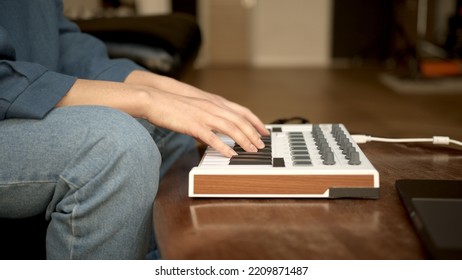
column 242, row 161
column 252, row 156
column 266, row 150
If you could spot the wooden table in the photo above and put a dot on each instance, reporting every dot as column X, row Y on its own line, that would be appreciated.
column 203, row 228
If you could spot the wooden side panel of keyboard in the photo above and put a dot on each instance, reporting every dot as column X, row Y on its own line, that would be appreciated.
column 277, row 184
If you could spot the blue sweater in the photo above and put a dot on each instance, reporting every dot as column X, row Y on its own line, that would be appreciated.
column 41, row 56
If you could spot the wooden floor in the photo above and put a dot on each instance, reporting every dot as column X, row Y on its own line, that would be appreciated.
column 354, row 97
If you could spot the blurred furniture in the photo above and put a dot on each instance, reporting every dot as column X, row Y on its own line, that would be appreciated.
column 165, row 44
column 426, row 39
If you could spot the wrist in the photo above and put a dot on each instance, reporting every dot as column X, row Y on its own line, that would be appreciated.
column 142, row 101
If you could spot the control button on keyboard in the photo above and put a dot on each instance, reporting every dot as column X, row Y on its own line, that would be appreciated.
column 347, row 152
column 298, row 148
column 295, row 158
column 329, row 158
column 298, row 144
column 302, row 162
column 344, row 143
column 296, row 153
column 354, row 158
column 323, row 146
column 293, row 138
column 278, row 162
column 347, row 148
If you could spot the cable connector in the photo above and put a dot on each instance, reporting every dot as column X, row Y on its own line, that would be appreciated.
column 441, row 140
column 361, row 138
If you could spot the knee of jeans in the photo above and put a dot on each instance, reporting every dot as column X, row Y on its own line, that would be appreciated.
column 117, row 134
column 113, row 150
column 128, row 136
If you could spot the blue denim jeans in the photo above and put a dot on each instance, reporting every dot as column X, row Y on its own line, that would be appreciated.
column 94, row 171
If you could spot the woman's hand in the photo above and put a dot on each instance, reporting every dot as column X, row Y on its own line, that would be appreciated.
column 204, row 114
column 183, row 108
column 201, row 118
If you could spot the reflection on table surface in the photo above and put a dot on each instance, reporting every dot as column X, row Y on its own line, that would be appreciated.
column 231, row 228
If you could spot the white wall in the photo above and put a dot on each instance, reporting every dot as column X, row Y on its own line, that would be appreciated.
column 81, row 8
column 153, row 7
column 92, row 8
column 289, row 33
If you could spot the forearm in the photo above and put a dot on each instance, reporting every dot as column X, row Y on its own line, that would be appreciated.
column 164, row 83
column 131, row 99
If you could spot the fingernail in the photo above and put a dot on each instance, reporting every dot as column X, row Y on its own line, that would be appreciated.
column 232, row 153
column 261, row 145
column 252, row 148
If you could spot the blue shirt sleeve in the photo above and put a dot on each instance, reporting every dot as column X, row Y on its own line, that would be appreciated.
column 42, row 54
column 27, row 89
column 85, row 56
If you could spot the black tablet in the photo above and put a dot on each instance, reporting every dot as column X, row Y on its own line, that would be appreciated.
column 435, row 209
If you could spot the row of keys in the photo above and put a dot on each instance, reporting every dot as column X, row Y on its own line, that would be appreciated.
column 299, row 153
column 344, row 143
column 298, row 149
column 261, row 157
column 325, row 151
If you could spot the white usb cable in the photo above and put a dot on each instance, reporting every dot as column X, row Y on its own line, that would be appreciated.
column 438, row 140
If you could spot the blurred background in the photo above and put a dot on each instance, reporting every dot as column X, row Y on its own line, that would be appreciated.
column 301, row 33
column 371, row 64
